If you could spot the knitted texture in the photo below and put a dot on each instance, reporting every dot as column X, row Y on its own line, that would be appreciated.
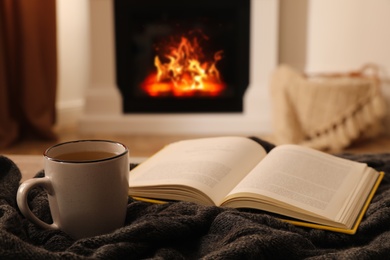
column 325, row 112
column 182, row 230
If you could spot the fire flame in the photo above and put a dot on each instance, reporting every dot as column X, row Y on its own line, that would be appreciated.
column 184, row 73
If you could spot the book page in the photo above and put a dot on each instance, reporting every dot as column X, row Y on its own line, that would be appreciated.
column 212, row 165
column 297, row 177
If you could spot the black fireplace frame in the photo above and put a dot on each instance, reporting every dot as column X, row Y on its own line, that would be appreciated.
column 132, row 16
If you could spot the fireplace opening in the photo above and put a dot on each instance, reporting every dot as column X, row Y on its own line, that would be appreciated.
column 181, row 56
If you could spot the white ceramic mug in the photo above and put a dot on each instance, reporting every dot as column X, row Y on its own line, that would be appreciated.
column 87, row 186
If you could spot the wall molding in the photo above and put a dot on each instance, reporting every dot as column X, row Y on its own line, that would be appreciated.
column 69, row 112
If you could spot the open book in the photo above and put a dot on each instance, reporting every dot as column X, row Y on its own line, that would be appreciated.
column 305, row 186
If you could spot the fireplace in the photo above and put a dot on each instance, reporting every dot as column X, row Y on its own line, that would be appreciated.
column 182, row 56
column 238, row 43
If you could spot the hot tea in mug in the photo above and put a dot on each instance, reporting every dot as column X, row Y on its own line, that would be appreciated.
column 87, row 186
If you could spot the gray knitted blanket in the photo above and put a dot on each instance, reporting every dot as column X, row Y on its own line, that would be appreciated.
column 181, row 230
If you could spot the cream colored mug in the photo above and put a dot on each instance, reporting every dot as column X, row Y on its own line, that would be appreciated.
column 87, row 186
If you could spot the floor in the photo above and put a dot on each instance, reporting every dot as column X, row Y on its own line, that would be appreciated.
column 147, row 145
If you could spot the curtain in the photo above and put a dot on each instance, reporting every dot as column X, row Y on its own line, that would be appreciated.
column 28, row 70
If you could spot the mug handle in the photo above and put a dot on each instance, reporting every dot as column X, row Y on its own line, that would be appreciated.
column 21, row 199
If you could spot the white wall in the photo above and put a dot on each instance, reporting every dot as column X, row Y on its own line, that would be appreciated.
column 334, row 35
column 72, row 24
column 344, row 34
